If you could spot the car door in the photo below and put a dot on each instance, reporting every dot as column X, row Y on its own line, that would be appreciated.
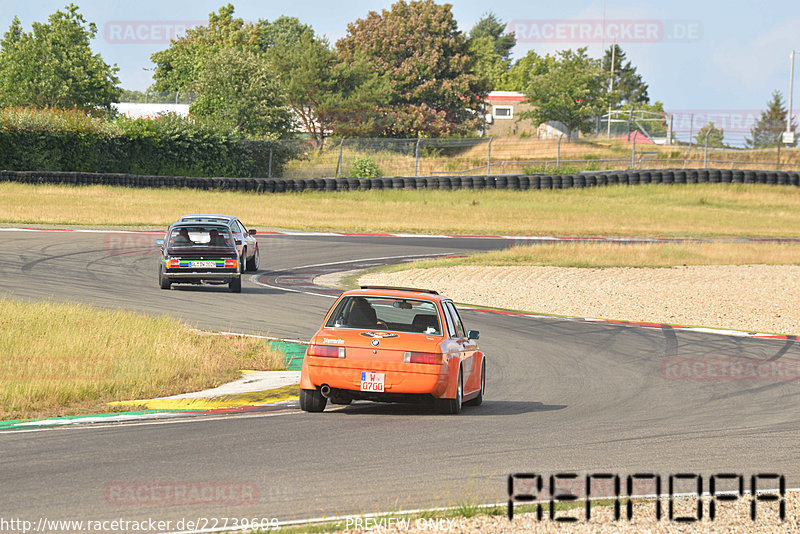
column 247, row 239
column 467, row 346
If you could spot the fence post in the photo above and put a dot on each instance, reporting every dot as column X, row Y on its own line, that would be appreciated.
column 633, row 151
column 416, row 156
column 558, row 151
column 339, row 163
column 705, row 150
column 489, row 157
column 269, row 173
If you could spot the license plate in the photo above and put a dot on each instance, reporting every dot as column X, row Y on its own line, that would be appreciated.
column 204, row 264
column 372, row 381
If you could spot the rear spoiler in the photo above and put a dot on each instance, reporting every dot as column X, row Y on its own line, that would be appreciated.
column 392, row 288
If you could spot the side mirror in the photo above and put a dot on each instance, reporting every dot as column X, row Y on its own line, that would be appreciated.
column 252, row 232
column 473, row 334
column 159, row 242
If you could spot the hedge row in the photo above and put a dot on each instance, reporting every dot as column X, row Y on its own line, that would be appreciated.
column 515, row 182
column 165, row 147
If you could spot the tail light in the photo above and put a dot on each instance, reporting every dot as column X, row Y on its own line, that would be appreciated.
column 173, row 264
column 231, row 264
column 326, row 351
column 422, row 357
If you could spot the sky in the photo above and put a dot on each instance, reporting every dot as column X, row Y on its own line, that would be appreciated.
column 712, row 60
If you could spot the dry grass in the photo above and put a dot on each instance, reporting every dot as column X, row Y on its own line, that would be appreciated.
column 64, row 359
column 508, row 151
column 621, row 255
column 646, row 210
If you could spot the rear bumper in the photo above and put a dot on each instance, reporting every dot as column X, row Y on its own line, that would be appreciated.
column 401, row 378
column 202, row 275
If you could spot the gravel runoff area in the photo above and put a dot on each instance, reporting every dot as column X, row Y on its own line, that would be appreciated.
column 753, row 298
column 731, row 517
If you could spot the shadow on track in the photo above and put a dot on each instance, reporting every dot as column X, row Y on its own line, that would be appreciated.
column 491, row 408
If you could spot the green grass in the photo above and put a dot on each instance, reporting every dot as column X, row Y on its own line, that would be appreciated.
column 646, row 210
column 598, row 255
column 67, row 359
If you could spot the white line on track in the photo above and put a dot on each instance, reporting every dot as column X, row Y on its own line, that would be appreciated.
column 254, row 278
column 186, row 419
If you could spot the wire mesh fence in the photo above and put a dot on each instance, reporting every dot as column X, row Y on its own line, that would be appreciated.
column 517, row 155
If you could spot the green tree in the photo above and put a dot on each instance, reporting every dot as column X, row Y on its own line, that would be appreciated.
column 54, row 66
column 628, row 84
column 425, row 62
column 238, row 88
column 489, row 65
column 715, row 136
column 571, row 92
column 312, row 83
column 179, row 66
column 518, row 77
column 491, row 27
column 491, row 48
column 768, row 129
column 282, row 31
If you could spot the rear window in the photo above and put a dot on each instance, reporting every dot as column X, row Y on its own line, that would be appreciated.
column 386, row 313
column 201, row 236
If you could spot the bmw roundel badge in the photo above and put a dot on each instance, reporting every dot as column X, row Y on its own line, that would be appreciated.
column 376, row 342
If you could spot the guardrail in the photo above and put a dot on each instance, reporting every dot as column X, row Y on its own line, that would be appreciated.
column 514, row 181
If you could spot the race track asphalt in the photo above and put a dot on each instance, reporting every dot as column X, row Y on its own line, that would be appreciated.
column 562, row 396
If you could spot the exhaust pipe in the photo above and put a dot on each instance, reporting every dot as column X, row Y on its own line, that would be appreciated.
column 325, row 390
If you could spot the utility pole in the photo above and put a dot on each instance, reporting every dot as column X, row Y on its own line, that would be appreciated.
column 611, row 87
column 788, row 137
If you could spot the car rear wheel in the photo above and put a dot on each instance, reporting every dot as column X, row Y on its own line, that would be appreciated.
column 163, row 281
column 479, row 399
column 252, row 264
column 235, row 285
column 452, row 406
column 311, row 400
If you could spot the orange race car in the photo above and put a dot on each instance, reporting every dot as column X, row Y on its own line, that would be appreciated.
column 392, row 344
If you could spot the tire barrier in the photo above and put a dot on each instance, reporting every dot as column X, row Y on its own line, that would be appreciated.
column 514, row 182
